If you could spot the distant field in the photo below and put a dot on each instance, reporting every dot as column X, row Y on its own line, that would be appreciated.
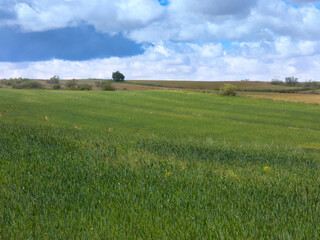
column 157, row 165
column 242, row 85
column 288, row 97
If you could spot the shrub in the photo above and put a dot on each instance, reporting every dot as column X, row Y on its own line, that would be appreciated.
column 276, row 81
column 72, row 84
column 32, row 84
column 4, row 82
column 228, row 90
column 311, row 84
column 100, row 83
column 24, row 83
column 56, row 86
column 107, row 86
column 84, row 86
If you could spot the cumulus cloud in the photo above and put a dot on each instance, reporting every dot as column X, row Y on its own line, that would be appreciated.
column 181, row 20
column 184, row 38
column 187, row 61
column 105, row 15
column 213, row 7
column 251, row 20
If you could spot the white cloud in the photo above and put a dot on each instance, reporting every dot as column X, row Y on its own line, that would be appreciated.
column 181, row 20
column 187, row 62
column 106, row 15
column 212, row 20
column 270, row 37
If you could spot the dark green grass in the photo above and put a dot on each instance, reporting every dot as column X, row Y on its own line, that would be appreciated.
column 125, row 173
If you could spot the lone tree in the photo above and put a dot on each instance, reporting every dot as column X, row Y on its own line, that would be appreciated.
column 118, row 76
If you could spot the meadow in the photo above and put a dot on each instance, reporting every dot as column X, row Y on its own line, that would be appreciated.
column 157, row 165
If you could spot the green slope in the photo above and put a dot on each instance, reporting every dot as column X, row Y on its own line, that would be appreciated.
column 157, row 165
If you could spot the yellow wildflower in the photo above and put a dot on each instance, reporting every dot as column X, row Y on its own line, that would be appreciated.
column 168, row 173
column 266, row 169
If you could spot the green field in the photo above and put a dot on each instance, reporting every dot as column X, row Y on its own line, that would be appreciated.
column 157, row 165
column 207, row 85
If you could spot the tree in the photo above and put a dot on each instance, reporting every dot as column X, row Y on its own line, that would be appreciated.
column 292, row 81
column 54, row 80
column 118, row 76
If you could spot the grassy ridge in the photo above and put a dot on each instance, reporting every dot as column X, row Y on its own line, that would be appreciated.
column 126, row 173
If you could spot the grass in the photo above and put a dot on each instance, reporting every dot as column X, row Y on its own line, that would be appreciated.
column 288, row 97
column 157, row 165
column 241, row 85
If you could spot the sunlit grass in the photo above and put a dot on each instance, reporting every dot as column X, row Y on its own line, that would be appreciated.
column 156, row 165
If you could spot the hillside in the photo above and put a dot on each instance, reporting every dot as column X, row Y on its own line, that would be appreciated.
column 157, row 165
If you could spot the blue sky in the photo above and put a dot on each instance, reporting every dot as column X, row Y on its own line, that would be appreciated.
column 70, row 43
column 160, row 39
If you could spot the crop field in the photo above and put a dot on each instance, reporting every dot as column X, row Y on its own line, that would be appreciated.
column 242, row 85
column 157, row 165
column 288, row 97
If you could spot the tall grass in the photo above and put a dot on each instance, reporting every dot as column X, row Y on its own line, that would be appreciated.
column 113, row 178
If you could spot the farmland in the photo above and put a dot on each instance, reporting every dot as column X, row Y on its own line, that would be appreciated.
column 157, row 164
column 205, row 85
column 287, row 97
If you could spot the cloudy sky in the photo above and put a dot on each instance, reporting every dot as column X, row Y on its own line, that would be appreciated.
column 160, row 39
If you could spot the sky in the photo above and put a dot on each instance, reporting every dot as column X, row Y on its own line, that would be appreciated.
column 208, row 40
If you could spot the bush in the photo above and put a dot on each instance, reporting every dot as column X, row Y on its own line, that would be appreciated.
column 72, row 84
column 31, row 84
column 228, row 90
column 24, row 83
column 277, row 81
column 100, row 83
column 56, row 86
column 84, row 86
column 107, row 86
column 4, row 82
column 311, row 84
